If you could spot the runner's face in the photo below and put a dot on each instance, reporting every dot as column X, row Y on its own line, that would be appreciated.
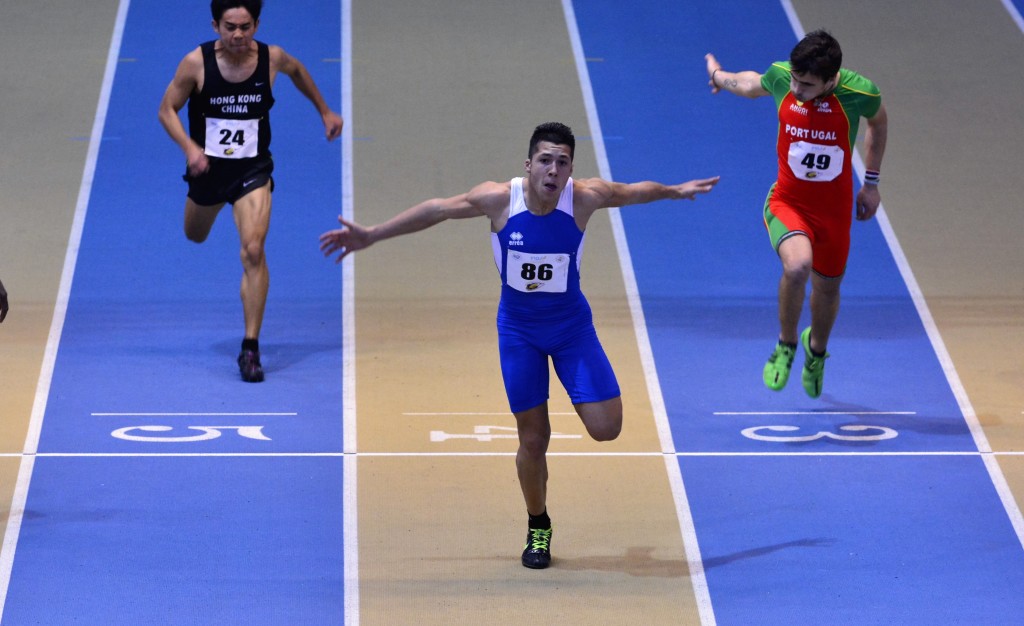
column 549, row 169
column 807, row 87
column 236, row 29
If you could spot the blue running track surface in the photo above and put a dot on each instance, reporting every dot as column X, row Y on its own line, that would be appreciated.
column 869, row 505
column 165, row 491
column 146, row 367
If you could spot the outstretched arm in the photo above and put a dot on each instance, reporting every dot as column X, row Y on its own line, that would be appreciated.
column 596, row 193
column 352, row 236
column 295, row 70
column 746, row 83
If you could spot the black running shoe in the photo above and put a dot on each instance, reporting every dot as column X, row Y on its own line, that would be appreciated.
column 537, row 553
column 249, row 366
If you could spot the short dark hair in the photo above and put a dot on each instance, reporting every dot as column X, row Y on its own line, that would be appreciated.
column 817, row 54
column 218, row 7
column 554, row 132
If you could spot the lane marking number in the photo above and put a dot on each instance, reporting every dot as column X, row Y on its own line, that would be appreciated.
column 206, row 433
column 490, row 433
column 871, row 433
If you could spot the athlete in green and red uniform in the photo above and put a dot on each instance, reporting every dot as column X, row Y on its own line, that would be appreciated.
column 807, row 212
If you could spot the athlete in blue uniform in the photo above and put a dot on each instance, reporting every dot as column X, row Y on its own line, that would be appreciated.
column 3, row 302
column 227, row 85
column 538, row 225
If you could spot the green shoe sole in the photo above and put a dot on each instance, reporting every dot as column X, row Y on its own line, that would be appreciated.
column 776, row 370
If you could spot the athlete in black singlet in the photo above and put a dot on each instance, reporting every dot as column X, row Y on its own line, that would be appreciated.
column 227, row 85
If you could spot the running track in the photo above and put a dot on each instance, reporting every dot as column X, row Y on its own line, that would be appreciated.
column 869, row 510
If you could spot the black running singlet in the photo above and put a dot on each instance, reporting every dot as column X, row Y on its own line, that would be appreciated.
column 232, row 120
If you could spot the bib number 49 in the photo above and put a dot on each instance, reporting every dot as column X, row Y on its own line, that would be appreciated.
column 815, row 162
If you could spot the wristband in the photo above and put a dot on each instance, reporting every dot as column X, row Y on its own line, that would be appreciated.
column 871, row 177
column 713, row 77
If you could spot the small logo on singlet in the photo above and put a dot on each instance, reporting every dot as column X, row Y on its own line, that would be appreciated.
column 823, row 107
column 516, row 239
column 796, row 108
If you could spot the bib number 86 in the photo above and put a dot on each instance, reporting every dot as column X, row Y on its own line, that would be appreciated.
column 544, row 271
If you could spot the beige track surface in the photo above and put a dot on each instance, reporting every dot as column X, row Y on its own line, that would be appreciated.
column 446, row 99
column 445, row 94
column 54, row 56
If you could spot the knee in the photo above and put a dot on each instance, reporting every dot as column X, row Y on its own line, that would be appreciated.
column 607, row 431
column 603, row 420
column 196, row 235
column 534, row 444
column 252, row 253
column 797, row 270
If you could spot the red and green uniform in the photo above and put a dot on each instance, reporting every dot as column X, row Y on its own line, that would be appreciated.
column 814, row 191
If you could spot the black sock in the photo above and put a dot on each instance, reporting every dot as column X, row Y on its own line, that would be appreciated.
column 540, row 521
column 251, row 344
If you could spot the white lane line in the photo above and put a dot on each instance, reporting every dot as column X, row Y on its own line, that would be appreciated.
column 472, row 413
column 938, row 345
column 17, row 508
column 640, row 454
column 1014, row 14
column 815, row 413
column 687, row 529
column 350, row 484
column 198, row 414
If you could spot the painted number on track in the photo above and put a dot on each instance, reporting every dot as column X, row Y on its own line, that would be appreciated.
column 205, row 433
column 863, row 433
column 490, row 433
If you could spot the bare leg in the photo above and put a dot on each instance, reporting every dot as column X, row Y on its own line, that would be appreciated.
column 534, row 428
column 824, row 310
column 795, row 254
column 199, row 220
column 252, row 217
column 603, row 420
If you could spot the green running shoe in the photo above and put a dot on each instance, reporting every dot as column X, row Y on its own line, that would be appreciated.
column 776, row 370
column 537, row 553
column 814, row 366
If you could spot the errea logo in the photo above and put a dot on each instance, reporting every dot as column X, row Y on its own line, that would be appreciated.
column 516, row 239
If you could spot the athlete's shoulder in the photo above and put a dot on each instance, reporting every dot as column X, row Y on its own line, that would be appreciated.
column 777, row 77
column 190, row 70
column 856, row 83
column 590, row 189
column 858, row 94
column 591, row 194
column 280, row 60
column 490, row 194
column 196, row 55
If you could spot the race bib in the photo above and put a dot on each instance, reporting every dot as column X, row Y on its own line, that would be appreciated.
column 232, row 139
column 537, row 272
column 814, row 162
